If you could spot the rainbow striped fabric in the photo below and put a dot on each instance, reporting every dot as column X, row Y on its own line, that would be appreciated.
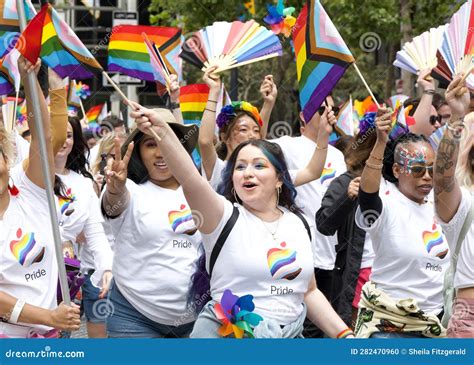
column 9, row 26
column 49, row 37
column 322, row 57
column 94, row 112
column 193, row 99
column 345, row 122
column 128, row 53
column 9, row 74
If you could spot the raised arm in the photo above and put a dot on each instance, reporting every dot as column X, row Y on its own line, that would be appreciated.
column 208, row 123
column 34, row 170
column 58, row 113
column 58, row 110
column 423, row 112
column 116, row 196
column 269, row 92
column 174, row 98
column 446, row 188
column 315, row 166
column 199, row 194
column 372, row 173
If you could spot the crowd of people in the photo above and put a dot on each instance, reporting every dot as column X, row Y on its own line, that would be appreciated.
column 266, row 238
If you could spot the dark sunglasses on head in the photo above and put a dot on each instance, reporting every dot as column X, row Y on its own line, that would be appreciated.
column 434, row 119
column 322, row 108
column 418, row 171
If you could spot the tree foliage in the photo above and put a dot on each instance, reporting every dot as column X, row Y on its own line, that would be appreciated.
column 371, row 28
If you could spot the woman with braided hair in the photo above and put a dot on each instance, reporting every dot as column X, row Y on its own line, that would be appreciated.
column 404, row 295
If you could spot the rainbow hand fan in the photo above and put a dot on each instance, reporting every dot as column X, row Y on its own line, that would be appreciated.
column 456, row 52
column 228, row 45
column 421, row 52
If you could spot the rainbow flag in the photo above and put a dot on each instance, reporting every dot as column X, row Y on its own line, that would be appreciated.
column 394, row 100
column 49, row 37
column 94, row 112
column 345, row 123
column 9, row 25
column 192, row 100
column 322, row 57
column 9, row 74
column 365, row 106
column 128, row 52
column 21, row 112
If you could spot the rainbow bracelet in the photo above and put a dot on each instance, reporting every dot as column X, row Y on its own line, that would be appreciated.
column 344, row 333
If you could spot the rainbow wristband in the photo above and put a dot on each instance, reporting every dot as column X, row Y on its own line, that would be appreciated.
column 344, row 333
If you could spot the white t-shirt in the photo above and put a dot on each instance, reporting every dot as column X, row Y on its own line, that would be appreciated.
column 298, row 152
column 28, row 267
column 154, row 253
column 251, row 262
column 368, row 253
column 94, row 151
column 82, row 214
column 411, row 251
column 464, row 276
column 216, row 177
column 22, row 148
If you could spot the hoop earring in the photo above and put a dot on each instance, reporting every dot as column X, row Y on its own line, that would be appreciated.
column 278, row 195
column 235, row 195
column 12, row 188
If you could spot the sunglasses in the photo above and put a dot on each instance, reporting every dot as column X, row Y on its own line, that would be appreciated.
column 434, row 119
column 418, row 171
column 322, row 108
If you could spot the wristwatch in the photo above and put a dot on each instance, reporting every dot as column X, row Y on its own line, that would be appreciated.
column 174, row 106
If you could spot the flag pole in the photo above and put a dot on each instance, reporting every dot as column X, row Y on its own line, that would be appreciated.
column 366, row 85
column 15, row 105
column 127, row 101
column 32, row 82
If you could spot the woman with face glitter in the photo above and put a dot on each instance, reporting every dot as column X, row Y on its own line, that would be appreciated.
column 404, row 295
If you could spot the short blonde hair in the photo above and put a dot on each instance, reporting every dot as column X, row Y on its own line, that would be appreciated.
column 106, row 145
column 464, row 171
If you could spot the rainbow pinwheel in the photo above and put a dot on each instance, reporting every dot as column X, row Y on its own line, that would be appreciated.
column 236, row 315
column 279, row 18
column 82, row 90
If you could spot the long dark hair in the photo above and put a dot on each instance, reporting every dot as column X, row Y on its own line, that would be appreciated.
column 275, row 155
column 359, row 150
column 389, row 154
column 226, row 130
column 77, row 158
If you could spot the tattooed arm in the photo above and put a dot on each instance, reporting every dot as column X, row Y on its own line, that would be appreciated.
column 446, row 188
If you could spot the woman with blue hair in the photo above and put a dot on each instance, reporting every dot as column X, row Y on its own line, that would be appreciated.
column 257, row 243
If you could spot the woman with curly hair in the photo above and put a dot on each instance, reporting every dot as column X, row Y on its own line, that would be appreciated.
column 240, row 122
column 257, row 243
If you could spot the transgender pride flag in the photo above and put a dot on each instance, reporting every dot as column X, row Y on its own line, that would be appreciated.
column 345, row 122
column 322, row 57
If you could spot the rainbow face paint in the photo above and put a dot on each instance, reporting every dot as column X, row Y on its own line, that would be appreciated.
column 407, row 159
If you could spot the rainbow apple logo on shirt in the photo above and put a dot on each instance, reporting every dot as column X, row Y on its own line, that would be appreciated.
column 26, row 250
column 327, row 174
column 178, row 217
column 282, row 263
column 434, row 243
column 65, row 202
